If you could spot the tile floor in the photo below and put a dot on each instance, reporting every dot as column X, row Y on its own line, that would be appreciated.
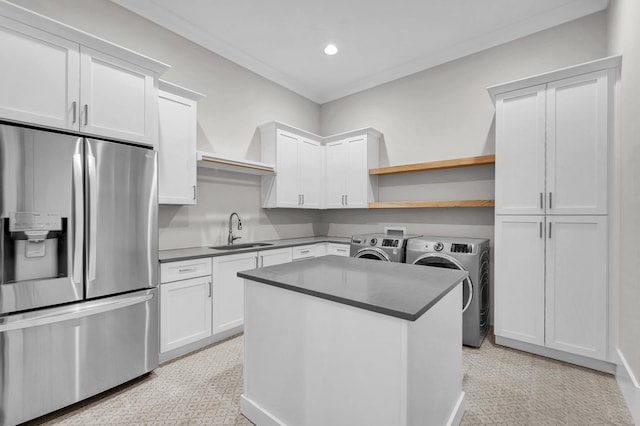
column 503, row 387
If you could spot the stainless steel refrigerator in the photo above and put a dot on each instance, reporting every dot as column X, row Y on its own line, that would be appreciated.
column 79, row 268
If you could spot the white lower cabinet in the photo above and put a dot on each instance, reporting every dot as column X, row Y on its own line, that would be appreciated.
column 338, row 249
column 551, row 284
column 577, row 285
column 185, row 303
column 185, row 316
column 274, row 257
column 228, row 289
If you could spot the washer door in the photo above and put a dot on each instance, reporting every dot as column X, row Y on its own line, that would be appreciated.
column 441, row 260
column 372, row 253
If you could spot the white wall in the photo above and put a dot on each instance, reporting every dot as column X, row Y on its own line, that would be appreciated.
column 237, row 101
column 624, row 38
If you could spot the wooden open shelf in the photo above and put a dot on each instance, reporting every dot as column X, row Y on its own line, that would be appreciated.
column 430, row 204
column 214, row 161
column 434, row 165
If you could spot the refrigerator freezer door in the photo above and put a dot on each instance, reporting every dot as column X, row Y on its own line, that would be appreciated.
column 41, row 218
column 122, row 218
column 55, row 357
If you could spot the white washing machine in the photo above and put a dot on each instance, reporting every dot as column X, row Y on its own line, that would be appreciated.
column 467, row 254
column 385, row 247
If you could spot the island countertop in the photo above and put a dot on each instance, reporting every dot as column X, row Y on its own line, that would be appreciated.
column 395, row 289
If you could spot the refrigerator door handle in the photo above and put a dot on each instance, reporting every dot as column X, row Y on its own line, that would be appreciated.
column 78, row 215
column 66, row 313
column 92, row 214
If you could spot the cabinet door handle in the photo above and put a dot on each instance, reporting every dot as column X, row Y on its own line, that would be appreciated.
column 210, row 288
column 342, row 250
column 86, row 114
column 304, row 251
column 540, row 230
column 541, row 197
column 195, row 192
column 74, row 105
column 346, row 199
column 550, row 200
column 303, row 199
column 550, row 223
column 185, row 270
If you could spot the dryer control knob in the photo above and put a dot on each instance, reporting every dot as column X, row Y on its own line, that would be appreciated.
column 373, row 241
column 438, row 246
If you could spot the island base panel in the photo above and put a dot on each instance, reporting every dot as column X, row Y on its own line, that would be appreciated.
column 311, row 361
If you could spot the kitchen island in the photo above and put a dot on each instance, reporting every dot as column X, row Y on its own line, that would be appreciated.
column 345, row 341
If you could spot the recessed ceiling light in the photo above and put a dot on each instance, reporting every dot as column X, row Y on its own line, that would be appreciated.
column 331, row 49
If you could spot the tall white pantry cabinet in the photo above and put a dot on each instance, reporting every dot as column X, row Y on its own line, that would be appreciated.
column 554, row 185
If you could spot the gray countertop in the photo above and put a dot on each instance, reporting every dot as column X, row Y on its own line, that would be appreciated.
column 396, row 289
column 197, row 252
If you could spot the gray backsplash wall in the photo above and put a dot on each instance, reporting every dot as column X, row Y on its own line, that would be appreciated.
column 219, row 194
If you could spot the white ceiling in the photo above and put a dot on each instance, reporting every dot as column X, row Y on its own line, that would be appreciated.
column 378, row 40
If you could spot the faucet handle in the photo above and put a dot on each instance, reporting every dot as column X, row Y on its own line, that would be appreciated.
column 234, row 238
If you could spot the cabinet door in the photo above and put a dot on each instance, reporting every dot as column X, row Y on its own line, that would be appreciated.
column 40, row 75
column 118, row 98
column 185, row 312
column 357, row 173
column 274, row 257
column 520, row 151
column 311, row 167
column 287, row 176
column 335, row 176
column 338, row 249
column 519, row 278
column 228, row 290
column 577, row 139
column 577, row 289
column 177, row 149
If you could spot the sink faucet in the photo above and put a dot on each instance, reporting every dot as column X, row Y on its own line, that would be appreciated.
column 231, row 238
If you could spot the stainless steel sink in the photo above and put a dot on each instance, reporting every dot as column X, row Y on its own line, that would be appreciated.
column 240, row 246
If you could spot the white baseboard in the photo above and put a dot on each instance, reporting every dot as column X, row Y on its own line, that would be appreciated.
column 458, row 412
column 257, row 414
column 629, row 386
column 594, row 364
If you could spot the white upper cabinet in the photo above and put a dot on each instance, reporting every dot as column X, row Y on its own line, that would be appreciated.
column 117, row 98
column 520, row 149
column 40, row 76
column 316, row 172
column 362, row 155
column 348, row 183
column 577, row 142
column 336, row 174
column 177, row 162
column 56, row 76
column 551, row 146
column 310, row 164
column 298, row 157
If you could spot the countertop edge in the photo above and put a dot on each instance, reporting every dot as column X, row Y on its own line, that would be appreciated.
column 366, row 306
column 276, row 245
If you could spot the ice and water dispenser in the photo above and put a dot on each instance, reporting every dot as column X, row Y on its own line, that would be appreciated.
column 34, row 246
